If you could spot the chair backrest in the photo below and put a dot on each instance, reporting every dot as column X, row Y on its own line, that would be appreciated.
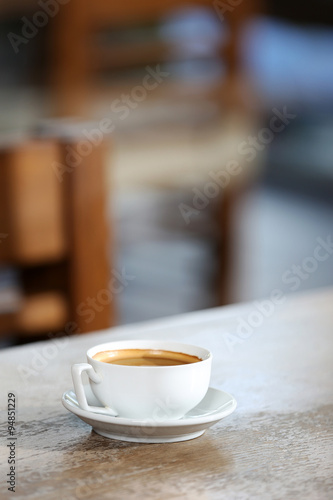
column 76, row 22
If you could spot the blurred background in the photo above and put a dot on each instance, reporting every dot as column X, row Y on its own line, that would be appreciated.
column 157, row 159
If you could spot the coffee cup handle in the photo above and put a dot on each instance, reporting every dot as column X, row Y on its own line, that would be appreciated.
column 77, row 370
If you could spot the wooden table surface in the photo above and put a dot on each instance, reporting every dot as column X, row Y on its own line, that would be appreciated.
column 276, row 445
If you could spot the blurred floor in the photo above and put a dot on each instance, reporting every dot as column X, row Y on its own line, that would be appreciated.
column 273, row 230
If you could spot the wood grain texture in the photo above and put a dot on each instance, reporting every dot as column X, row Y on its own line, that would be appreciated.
column 278, row 443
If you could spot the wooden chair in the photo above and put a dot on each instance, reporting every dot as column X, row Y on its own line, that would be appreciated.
column 76, row 59
column 56, row 234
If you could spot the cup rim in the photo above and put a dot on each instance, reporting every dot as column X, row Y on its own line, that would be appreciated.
column 195, row 350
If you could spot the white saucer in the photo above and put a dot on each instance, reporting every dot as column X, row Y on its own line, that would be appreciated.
column 215, row 406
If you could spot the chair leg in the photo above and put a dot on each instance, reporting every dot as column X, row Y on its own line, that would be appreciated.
column 92, row 296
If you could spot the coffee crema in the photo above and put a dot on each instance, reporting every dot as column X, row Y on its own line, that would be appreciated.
column 145, row 357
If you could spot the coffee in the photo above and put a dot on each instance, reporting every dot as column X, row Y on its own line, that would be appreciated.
column 145, row 357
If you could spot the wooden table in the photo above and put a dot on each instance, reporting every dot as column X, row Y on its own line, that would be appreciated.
column 275, row 446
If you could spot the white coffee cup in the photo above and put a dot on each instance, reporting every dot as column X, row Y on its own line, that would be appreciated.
column 144, row 392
